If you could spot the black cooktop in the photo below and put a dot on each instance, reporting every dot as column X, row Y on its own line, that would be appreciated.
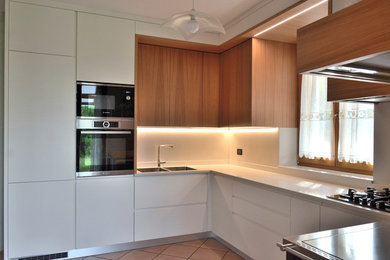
column 370, row 198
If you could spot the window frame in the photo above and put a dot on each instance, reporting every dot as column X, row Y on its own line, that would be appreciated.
column 360, row 168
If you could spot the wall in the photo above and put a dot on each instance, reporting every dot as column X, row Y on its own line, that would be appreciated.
column 270, row 147
column 337, row 5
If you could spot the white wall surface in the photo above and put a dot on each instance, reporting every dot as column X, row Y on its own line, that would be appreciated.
column 337, row 5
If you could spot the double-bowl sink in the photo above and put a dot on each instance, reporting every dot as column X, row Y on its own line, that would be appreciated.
column 166, row 169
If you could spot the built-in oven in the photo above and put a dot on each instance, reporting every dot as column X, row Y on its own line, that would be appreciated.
column 104, row 147
column 96, row 100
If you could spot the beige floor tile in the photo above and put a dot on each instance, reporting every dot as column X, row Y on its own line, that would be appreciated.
column 211, row 243
column 139, row 255
column 194, row 243
column 155, row 249
column 179, row 250
column 232, row 256
column 113, row 256
column 168, row 257
column 208, row 254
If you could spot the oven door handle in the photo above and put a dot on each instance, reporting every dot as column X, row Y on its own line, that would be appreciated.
column 106, row 132
column 289, row 248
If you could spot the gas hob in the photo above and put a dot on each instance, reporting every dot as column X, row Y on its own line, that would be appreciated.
column 370, row 198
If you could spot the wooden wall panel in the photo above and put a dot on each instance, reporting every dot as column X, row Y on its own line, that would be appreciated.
column 210, row 89
column 274, row 84
column 236, row 85
column 340, row 89
column 153, row 85
column 185, row 102
column 346, row 35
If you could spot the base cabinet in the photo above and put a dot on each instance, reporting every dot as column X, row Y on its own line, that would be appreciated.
column 332, row 218
column 104, row 214
column 41, row 218
column 305, row 217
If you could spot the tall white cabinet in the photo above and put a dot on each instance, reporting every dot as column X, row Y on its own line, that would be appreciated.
column 105, row 49
column 40, row 153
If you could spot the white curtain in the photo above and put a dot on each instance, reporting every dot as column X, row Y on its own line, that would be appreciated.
column 356, row 131
column 316, row 138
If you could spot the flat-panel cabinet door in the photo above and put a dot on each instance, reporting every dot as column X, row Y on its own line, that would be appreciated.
column 42, row 109
column 41, row 218
column 105, row 49
column 104, row 211
column 332, row 218
column 305, row 217
column 221, row 207
column 41, row 29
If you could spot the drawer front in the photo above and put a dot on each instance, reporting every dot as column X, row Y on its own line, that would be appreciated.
column 170, row 221
column 173, row 190
column 261, row 197
column 268, row 219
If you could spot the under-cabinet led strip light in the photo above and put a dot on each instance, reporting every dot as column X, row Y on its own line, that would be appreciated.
column 291, row 17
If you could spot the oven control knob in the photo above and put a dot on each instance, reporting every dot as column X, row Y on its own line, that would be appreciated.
column 128, row 98
column 106, row 124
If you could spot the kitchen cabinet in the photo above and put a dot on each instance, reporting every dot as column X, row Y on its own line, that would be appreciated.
column 332, row 218
column 105, row 49
column 42, row 108
column 221, row 207
column 41, row 218
column 259, row 84
column 172, row 205
column 305, row 216
column 104, row 211
column 40, row 29
column 177, row 87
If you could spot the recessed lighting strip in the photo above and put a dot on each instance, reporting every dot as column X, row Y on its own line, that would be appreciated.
column 291, row 17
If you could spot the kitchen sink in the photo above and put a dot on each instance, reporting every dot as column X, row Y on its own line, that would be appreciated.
column 152, row 170
column 166, row 169
column 179, row 168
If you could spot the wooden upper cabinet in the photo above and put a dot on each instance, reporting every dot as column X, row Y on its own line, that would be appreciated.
column 259, row 85
column 153, row 83
column 185, row 89
column 235, row 101
column 211, row 93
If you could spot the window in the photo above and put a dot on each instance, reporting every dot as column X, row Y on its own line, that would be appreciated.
column 337, row 136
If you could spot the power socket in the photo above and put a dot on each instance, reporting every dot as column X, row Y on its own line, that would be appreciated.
column 239, row 151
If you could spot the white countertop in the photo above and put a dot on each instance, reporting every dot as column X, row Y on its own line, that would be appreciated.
column 294, row 186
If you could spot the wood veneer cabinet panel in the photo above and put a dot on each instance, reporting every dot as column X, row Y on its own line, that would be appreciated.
column 339, row 89
column 185, row 102
column 351, row 33
column 211, row 89
column 274, row 84
column 236, row 85
column 153, row 82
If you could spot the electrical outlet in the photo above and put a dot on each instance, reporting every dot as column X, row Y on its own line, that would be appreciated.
column 239, row 151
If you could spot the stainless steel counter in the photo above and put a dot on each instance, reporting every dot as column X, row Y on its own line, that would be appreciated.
column 368, row 241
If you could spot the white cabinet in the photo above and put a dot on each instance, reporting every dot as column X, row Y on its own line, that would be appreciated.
column 42, row 110
column 105, row 49
column 221, row 206
column 41, row 218
column 34, row 28
column 332, row 218
column 305, row 217
column 170, row 205
column 104, row 211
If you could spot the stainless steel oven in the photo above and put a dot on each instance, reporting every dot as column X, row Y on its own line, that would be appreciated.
column 96, row 100
column 105, row 147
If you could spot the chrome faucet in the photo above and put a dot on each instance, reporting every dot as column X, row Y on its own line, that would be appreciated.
column 159, row 162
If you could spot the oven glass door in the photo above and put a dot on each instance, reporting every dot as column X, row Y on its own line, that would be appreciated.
column 99, row 100
column 105, row 152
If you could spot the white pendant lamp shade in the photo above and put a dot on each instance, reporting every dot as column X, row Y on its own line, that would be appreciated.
column 191, row 22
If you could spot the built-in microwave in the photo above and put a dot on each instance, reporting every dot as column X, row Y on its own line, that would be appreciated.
column 104, row 100
column 104, row 147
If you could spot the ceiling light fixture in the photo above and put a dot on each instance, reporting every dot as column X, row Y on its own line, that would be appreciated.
column 192, row 22
column 291, row 17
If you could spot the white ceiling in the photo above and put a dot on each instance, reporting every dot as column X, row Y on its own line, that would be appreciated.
column 225, row 10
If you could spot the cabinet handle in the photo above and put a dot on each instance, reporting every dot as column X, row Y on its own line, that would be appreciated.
column 288, row 248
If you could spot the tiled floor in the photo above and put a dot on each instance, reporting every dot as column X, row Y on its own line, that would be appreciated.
column 201, row 249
